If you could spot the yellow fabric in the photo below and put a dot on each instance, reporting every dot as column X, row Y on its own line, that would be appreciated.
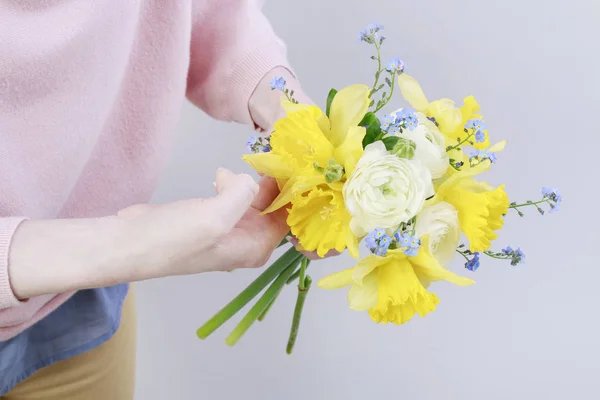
column 106, row 372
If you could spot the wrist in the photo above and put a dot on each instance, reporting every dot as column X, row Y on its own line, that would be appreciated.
column 265, row 103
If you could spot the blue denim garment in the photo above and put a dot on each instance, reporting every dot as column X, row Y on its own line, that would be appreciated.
column 83, row 322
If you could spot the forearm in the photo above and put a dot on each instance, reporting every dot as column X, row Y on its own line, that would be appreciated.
column 56, row 256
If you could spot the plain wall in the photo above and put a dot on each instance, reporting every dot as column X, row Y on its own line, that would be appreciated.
column 526, row 332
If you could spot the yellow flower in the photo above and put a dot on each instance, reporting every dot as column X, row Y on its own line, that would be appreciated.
column 393, row 288
column 468, row 111
column 480, row 206
column 448, row 117
column 321, row 221
column 303, row 143
column 451, row 120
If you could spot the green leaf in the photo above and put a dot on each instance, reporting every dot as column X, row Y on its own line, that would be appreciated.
column 388, row 81
column 330, row 97
column 371, row 122
column 368, row 119
column 390, row 142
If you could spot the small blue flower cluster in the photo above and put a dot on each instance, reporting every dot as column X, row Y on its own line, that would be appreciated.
column 515, row 256
column 371, row 34
column 395, row 65
column 259, row 144
column 277, row 83
column 379, row 242
column 403, row 119
column 474, row 263
column 409, row 243
column 481, row 155
column 553, row 197
column 478, row 126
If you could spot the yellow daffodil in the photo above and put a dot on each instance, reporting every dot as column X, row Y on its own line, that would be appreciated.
column 480, row 206
column 311, row 157
column 320, row 218
column 451, row 120
column 393, row 288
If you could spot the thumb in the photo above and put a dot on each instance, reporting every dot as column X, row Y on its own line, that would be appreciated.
column 235, row 194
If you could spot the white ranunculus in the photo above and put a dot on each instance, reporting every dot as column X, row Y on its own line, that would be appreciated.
column 431, row 146
column 385, row 190
column 440, row 222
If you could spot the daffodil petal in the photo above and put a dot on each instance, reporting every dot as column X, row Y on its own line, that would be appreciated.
column 270, row 164
column 337, row 280
column 412, row 92
column 296, row 185
column 498, row 146
column 351, row 149
column 290, row 107
column 347, row 109
column 364, row 296
column 428, row 269
column 365, row 267
column 351, row 243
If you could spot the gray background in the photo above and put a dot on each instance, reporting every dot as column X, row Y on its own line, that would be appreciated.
column 522, row 333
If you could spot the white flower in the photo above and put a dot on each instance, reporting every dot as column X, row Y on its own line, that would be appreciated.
column 385, row 190
column 440, row 222
column 431, row 146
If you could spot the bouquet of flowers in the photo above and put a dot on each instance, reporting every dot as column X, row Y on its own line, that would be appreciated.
column 405, row 184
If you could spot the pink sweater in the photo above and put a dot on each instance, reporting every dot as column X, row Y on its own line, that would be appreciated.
column 90, row 94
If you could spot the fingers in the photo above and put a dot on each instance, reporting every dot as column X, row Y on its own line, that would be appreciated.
column 235, row 194
column 311, row 255
column 268, row 191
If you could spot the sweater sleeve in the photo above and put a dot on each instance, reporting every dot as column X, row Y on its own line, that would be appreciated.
column 233, row 46
column 8, row 226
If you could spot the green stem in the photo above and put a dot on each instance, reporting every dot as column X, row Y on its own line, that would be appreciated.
column 260, row 306
column 515, row 206
column 303, row 266
column 497, row 256
column 302, row 292
column 378, row 66
column 463, row 254
column 461, row 142
column 289, row 257
column 387, row 99
column 296, row 274
column 264, row 313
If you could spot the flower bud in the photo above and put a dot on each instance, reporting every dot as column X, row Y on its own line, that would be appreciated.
column 405, row 148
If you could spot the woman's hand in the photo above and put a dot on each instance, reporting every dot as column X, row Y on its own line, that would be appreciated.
column 221, row 233
column 150, row 241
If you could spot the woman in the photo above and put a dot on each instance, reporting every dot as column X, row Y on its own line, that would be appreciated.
column 90, row 94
